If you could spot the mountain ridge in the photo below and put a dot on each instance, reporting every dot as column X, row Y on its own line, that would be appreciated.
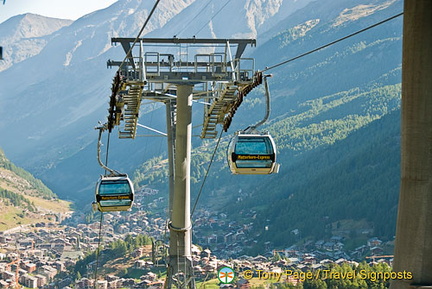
column 317, row 101
column 24, row 36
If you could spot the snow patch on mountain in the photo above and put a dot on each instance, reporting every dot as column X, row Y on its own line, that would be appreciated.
column 69, row 55
column 228, row 19
column 257, row 12
column 359, row 11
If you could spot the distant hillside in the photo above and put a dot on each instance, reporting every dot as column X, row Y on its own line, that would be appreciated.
column 334, row 113
column 23, row 198
column 335, row 120
column 355, row 180
column 23, row 36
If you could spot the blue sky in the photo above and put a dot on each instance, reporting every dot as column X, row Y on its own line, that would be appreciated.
column 66, row 9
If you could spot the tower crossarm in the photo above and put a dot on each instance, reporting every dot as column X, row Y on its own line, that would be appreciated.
column 151, row 68
column 125, row 103
column 225, row 104
column 245, row 89
column 215, row 112
column 240, row 43
column 131, row 102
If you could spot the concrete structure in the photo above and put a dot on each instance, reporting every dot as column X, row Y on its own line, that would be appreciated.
column 413, row 246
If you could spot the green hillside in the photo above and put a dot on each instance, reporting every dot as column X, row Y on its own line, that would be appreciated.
column 332, row 170
column 25, row 199
column 36, row 184
column 335, row 120
column 355, row 179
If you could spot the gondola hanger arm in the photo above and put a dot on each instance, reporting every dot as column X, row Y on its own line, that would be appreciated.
column 253, row 128
column 112, row 172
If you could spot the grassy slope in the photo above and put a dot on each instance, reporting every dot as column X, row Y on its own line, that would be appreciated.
column 12, row 216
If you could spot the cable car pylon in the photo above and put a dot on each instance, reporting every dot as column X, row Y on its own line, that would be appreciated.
column 218, row 77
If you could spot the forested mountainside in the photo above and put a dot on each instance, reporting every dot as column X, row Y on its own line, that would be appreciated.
column 345, row 189
column 23, row 198
column 335, row 120
column 337, row 185
column 321, row 104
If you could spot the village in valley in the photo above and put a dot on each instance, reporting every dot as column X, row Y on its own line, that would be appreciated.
column 44, row 255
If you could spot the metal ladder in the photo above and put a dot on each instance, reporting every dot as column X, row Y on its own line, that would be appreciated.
column 132, row 101
column 215, row 113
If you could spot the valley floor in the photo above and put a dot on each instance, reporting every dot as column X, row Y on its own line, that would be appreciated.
column 48, row 254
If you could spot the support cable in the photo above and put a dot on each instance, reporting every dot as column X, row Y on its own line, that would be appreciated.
column 212, row 17
column 99, row 144
column 107, row 150
column 333, row 42
column 128, row 54
column 206, row 174
column 196, row 16
column 205, row 280
column 98, row 249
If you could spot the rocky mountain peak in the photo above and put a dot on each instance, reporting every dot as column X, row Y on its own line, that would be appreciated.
column 29, row 26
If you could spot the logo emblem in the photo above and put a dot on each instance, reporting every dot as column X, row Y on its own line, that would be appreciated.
column 226, row 275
